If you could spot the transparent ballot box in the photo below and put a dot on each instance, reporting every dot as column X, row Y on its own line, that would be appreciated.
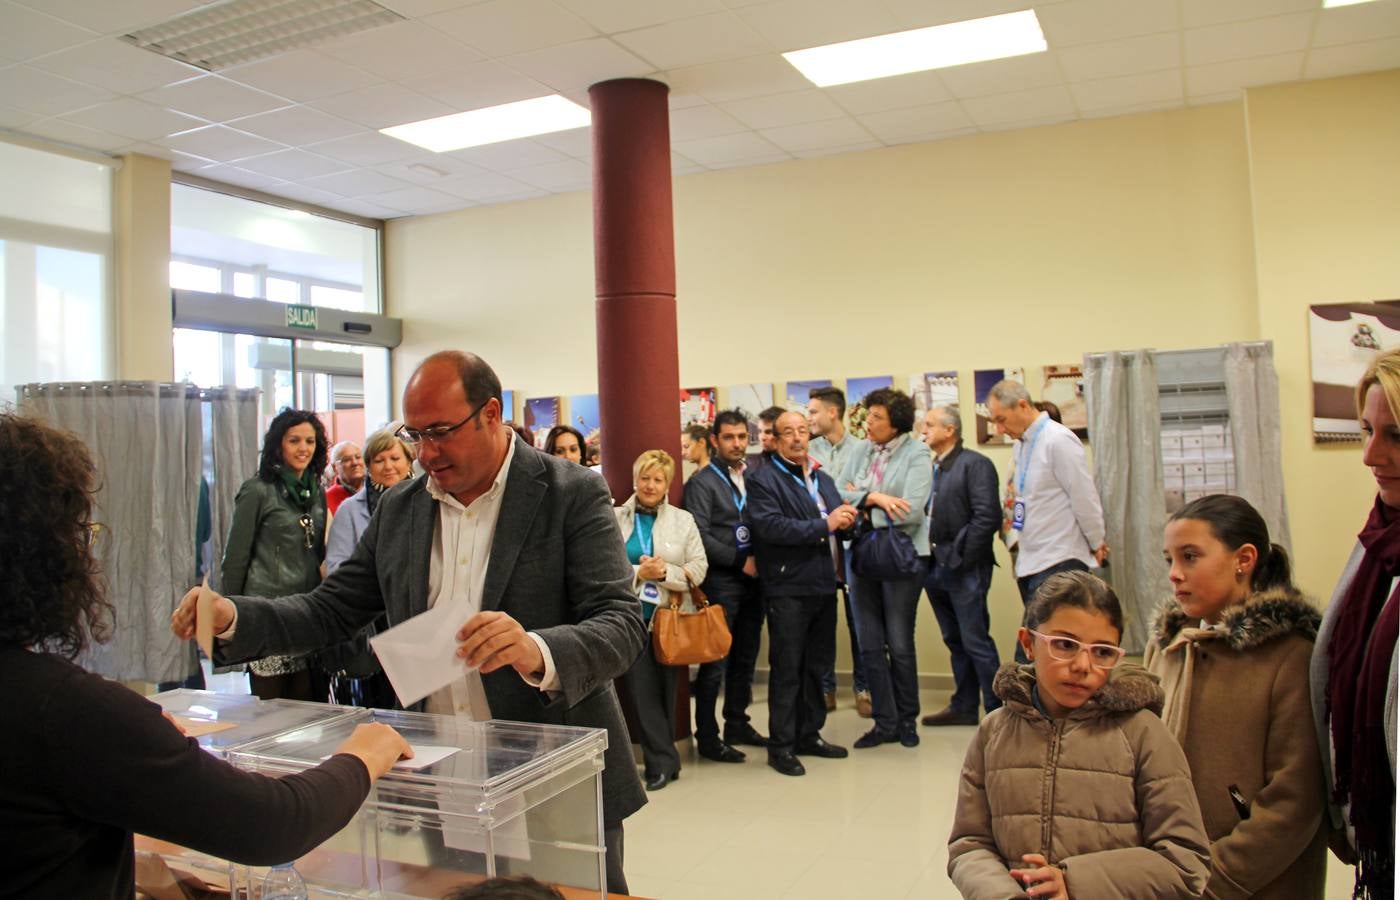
column 480, row 799
column 221, row 722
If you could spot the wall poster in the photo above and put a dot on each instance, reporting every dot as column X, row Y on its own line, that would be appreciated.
column 697, row 406
column 541, row 414
column 1344, row 338
column 982, row 382
column 583, row 415
column 751, row 399
column 799, row 392
column 857, row 389
column 931, row 390
column 1064, row 387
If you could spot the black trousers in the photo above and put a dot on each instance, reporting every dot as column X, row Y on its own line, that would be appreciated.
column 652, row 689
column 801, row 647
column 744, row 611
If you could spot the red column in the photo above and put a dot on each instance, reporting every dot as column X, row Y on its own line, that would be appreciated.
column 635, row 275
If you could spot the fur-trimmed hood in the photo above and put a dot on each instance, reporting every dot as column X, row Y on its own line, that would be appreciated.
column 1129, row 688
column 1265, row 616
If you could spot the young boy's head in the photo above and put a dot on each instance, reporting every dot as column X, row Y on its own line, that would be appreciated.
column 1071, row 633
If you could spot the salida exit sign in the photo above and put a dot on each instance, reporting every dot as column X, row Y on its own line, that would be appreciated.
column 301, row 317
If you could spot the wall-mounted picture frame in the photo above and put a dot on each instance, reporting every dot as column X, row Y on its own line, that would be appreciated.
column 1343, row 339
column 982, row 381
column 1063, row 385
column 698, row 406
column 857, row 389
column 751, row 399
column 541, row 414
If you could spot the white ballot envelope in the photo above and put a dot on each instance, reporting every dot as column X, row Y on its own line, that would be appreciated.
column 420, row 655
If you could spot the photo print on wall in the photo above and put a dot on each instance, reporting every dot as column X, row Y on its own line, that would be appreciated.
column 541, row 414
column 799, row 392
column 697, row 406
column 1344, row 338
column 507, row 406
column 1064, row 387
column 751, row 399
column 857, row 389
column 931, row 390
column 583, row 415
column 982, row 382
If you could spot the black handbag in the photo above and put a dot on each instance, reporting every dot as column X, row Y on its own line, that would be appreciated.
column 885, row 554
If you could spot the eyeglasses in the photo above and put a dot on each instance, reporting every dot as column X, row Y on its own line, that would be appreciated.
column 790, row 432
column 413, row 437
column 1066, row 649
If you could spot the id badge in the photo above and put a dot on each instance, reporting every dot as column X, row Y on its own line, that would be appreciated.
column 742, row 539
column 651, row 593
column 1018, row 514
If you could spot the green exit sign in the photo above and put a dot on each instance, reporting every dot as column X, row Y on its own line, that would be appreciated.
column 301, row 317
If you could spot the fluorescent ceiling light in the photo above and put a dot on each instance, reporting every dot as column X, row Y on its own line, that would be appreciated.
column 976, row 40
column 1331, row 4
column 493, row 124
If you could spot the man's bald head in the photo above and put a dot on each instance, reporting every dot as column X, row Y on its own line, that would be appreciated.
column 477, row 378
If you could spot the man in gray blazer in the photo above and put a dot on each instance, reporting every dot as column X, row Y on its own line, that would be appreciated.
column 530, row 545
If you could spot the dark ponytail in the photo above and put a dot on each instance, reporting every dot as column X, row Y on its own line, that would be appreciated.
column 1235, row 523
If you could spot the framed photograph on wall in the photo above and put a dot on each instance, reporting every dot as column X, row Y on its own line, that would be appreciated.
column 857, row 389
column 507, row 406
column 799, row 392
column 698, row 406
column 751, row 399
column 541, row 414
column 583, row 415
column 1064, row 387
column 982, row 382
column 1344, row 338
column 932, row 389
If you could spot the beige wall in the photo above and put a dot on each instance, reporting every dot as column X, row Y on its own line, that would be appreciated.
column 145, row 350
column 1022, row 248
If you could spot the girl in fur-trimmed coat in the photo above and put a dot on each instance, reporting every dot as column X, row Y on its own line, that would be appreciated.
column 1233, row 654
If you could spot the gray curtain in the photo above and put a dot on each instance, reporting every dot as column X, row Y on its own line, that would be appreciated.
column 1251, row 390
column 234, row 439
column 147, row 442
column 1125, row 431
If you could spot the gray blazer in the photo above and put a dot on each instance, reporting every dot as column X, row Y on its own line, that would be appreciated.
column 558, row 566
column 908, row 474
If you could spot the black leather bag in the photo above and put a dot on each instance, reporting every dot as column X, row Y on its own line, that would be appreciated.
column 885, row 554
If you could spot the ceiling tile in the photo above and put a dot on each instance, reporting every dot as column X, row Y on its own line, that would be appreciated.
column 1039, row 104
column 1091, row 21
column 612, row 16
column 841, row 132
column 715, row 151
column 1000, row 76
column 78, row 135
column 565, row 175
column 484, row 187
column 356, row 183
column 508, row 155
column 1036, row 122
column 1219, row 78
column 417, row 9
column 899, row 92
column 922, row 13
column 1129, row 90
column 241, row 177
column 1366, row 22
column 1110, row 111
column 382, row 105
column 423, row 168
column 407, row 49
column 696, row 122
column 16, row 118
column 1349, row 59
column 575, row 66
column 214, row 98
column 413, row 199
column 735, row 80
column 691, row 42
column 146, row 148
column 136, row 119
column 117, row 66
column 301, row 75
column 1195, row 13
column 1129, row 56
column 798, row 24
column 1212, row 99
column 504, row 27
column 767, row 159
column 478, row 85
column 817, row 152
column 219, row 143
column 780, row 110
column 576, row 142
column 894, row 124
column 372, row 210
column 297, row 125
column 28, row 33
column 1243, row 40
column 368, row 149
column 293, row 165
column 938, row 136
column 300, row 192
column 113, row 16
column 38, row 92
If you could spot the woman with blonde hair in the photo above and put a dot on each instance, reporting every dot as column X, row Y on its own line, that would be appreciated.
column 667, row 557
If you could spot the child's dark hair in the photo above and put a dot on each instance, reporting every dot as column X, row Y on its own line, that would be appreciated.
column 1235, row 523
column 1078, row 589
column 520, row 887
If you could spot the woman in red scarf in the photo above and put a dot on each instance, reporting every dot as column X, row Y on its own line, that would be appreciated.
column 1354, row 661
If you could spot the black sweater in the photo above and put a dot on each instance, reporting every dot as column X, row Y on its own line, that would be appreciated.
column 84, row 762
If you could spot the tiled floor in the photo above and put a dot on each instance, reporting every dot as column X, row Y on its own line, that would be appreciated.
column 872, row 826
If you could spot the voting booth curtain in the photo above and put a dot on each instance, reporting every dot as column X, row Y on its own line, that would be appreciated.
column 235, row 434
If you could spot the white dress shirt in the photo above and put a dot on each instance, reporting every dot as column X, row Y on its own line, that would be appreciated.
column 1064, row 519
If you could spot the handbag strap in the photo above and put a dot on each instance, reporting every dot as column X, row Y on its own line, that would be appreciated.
column 697, row 596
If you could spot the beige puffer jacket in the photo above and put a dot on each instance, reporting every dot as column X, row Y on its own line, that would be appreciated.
column 1104, row 793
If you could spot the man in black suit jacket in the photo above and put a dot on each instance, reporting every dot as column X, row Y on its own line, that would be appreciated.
column 717, row 497
column 964, row 515
column 798, row 521
column 557, row 619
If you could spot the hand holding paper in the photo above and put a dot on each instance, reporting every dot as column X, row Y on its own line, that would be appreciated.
column 492, row 640
column 183, row 621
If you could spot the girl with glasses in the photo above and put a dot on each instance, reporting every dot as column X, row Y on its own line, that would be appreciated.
column 1233, row 651
column 1074, row 787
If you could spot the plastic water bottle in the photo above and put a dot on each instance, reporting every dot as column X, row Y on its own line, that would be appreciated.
column 283, row 883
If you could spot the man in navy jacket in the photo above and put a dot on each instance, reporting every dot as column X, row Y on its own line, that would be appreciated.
column 798, row 521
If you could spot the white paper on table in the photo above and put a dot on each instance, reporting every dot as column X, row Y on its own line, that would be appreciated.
column 420, row 655
column 425, row 755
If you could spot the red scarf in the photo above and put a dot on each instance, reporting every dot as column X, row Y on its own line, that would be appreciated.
column 1359, row 655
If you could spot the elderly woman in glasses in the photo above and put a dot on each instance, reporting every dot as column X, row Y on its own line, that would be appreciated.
column 276, row 543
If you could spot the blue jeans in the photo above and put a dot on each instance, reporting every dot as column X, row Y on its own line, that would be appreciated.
column 857, row 668
column 885, row 625
column 1029, row 584
column 959, row 600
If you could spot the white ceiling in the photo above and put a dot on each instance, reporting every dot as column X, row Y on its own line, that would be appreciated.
column 302, row 125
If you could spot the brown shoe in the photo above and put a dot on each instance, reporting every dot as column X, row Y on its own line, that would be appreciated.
column 863, row 705
column 950, row 716
column 830, row 697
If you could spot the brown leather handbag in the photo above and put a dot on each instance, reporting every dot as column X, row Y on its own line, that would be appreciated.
column 680, row 638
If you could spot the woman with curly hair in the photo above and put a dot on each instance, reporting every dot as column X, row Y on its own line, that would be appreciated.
column 86, row 761
column 277, row 541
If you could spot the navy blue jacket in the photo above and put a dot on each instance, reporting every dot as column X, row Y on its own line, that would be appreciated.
column 790, row 533
column 709, row 498
column 966, row 509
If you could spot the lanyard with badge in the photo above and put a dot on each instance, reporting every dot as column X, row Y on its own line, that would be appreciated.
column 743, row 541
column 1023, row 468
column 651, row 591
column 810, row 486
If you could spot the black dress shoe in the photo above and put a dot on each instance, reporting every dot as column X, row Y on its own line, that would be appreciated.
column 657, row 782
column 721, row 752
column 874, row 738
column 950, row 716
column 908, row 735
column 744, row 736
column 818, row 747
column 787, row 763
